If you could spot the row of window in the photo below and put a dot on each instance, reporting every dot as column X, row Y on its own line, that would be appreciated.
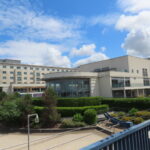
column 19, row 78
column 25, row 73
column 36, row 68
column 24, row 83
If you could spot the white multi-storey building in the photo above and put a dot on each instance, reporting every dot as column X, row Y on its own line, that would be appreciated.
column 125, row 76
column 24, row 78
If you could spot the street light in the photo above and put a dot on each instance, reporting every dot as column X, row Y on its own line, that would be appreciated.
column 36, row 120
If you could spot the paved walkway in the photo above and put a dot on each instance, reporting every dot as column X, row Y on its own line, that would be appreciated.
column 51, row 141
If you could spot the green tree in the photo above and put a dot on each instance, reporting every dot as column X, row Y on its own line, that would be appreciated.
column 49, row 115
column 26, row 107
column 9, row 113
column 2, row 95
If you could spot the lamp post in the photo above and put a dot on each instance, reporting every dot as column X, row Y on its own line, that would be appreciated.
column 36, row 121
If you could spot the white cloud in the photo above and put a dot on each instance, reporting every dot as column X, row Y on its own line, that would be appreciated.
column 138, row 44
column 108, row 19
column 93, row 58
column 34, row 53
column 137, row 24
column 85, row 50
column 103, row 48
column 19, row 21
column 140, row 21
column 134, row 5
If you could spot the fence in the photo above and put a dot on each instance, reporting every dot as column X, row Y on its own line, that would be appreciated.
column 134, row 138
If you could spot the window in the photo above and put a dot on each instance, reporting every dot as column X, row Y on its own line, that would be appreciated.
column 70, row 87
column 38, row 79
column 132, row 71
column 37, row 68
column 12, row 78
column 18, row 67
column 137, row 71
column 146, row 82
column 11, row 72
column 18, row 73
column 31, row 68
column 120, row 82
column 25, row 78
column 31, row 73
column 4, row 82
column 4, row 72
column 25, row 73
column 4, row 66
column 19, row 78
column 25, row 67
column 4, row 77
column 145, row 73
column 37, row 74
column 11, row 67
column 48, row 69
column 31, row 78
column 42, row 68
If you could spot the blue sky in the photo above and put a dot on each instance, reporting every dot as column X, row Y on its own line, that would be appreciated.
column 69, row 33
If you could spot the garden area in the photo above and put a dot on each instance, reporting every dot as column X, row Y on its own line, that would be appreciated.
column 55, row 112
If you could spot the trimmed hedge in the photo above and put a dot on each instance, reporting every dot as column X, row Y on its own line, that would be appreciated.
column 121, row 104
column 37, row 101
column 72, row 102
column 78, row 102
column 70, row 111
column 125, row 104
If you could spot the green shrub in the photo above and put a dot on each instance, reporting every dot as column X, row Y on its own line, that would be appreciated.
column 9, row 113
column 78, row 118
column 138, row 120
column 143, row 114
column 2, row 95
column 71, row 102
column 78, row 102
column 90, row 116
column 125, row 104
column 127, row 118
column 71, row 124
column 70, row 111
column 118, row 114
column 133, row 111
column 37, row 101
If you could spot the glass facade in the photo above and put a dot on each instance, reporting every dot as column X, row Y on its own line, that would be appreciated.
column 73, row 87
column 120, row 82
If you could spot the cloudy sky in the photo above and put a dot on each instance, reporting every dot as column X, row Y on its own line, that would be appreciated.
column 69, row 33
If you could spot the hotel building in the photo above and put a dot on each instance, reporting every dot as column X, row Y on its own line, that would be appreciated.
column 24, row 78
column 125, row 76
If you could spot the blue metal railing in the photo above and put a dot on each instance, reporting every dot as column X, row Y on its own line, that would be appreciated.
column 134, row 138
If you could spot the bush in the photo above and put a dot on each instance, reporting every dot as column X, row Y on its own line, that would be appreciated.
column 118, row 114
column 125, row 104
column 90, row 116
column 78, row 118
column 37, row 101
column 9, row 113
column 133, row 111
column 2, row 95
column 143, row 114
column 135, row 120
column 70, row 111
column 126, row 118
column 78, row 102
column 71, row 124
column 138, row 120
